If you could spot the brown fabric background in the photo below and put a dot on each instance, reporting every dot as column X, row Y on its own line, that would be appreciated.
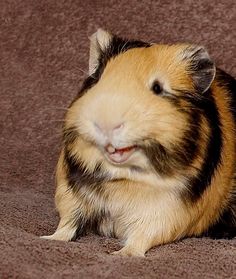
column 43, row 59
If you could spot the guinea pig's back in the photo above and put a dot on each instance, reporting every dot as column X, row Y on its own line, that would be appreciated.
column 229, row 83
column 225, row 88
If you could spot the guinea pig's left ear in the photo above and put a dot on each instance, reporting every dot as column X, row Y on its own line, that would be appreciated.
column 200, row 67
column 99, row 42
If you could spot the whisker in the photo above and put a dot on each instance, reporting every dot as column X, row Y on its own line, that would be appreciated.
column 53, row 108
column 83, row 71
column 123, row 47
column 59, row 108
column 185, row 109
column 57, row 120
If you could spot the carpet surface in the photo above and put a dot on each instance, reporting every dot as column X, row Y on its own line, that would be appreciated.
column 43, row 59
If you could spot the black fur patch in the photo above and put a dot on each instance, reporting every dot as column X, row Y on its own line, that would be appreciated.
column 91, row 183
column 159, row 157
column 225, row 227
column 198, row 184
column 229, row 83
column 190, row 142
column 117, row 46
column 167, row 162
column 85, row 225
column 70, row 135
column 78, row 176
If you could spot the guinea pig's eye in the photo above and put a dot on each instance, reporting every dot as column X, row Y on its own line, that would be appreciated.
column 156, row 88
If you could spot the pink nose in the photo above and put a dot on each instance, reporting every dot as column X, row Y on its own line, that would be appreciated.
column 103, row 129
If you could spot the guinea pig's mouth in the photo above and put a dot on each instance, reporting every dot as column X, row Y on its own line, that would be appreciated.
column 119, row 156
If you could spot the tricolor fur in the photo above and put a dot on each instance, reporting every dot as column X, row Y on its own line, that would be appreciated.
column 149, row 147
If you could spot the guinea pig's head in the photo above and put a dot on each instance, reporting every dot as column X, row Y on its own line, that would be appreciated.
column 137, row 107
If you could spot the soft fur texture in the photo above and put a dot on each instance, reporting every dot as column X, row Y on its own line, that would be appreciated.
column 44, row 59
column 149, row 147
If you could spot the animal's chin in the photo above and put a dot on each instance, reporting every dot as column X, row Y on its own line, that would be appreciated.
column 119, row 156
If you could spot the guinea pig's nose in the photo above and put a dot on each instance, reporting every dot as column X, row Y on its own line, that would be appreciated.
column 105, row 130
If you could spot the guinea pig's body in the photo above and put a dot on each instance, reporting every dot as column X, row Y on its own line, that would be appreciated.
column 149, row 147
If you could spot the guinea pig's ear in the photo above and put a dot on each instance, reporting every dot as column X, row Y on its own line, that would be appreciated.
column 99, row 42
column 200, row 67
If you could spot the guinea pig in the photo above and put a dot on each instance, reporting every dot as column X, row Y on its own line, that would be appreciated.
column 149, row 147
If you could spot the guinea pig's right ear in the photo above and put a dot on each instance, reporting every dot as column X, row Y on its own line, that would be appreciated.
column 201, row 68
column 99, row 42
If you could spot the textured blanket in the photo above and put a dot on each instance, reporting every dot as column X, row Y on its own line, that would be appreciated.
column 43, row 60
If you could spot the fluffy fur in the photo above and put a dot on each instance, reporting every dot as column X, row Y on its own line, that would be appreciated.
column 172, row 113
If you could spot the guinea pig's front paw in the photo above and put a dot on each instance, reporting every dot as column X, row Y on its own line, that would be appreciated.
column 55, row 236
column 129, row 251
column 49, row 237
column 63, row 234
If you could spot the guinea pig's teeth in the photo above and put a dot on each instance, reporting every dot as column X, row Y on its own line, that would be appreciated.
column 110, row 149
